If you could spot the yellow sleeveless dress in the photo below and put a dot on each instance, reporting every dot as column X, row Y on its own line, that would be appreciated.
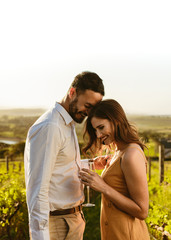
column 115, row 224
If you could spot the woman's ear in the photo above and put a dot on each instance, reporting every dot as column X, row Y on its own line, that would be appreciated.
column 72, row 93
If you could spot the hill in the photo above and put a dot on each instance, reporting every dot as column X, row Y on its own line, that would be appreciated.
column 22, row 112
column 152, row 123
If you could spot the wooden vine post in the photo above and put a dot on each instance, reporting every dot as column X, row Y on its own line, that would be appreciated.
column 7, row 163
column 149, row 169
column 161, row 163
column 164, row 148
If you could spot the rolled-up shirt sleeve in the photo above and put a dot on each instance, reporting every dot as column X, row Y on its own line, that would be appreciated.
column 42, row 147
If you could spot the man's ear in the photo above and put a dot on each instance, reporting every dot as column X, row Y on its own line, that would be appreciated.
column 72, row 93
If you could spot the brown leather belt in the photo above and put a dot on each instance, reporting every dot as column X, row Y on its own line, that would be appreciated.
column 66, row 211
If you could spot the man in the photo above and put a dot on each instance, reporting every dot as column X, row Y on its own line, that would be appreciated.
column 52, row 163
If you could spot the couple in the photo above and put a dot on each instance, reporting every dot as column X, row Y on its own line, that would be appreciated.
column 54, row 181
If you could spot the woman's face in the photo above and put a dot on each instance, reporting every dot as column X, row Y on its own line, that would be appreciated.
column 104, row 130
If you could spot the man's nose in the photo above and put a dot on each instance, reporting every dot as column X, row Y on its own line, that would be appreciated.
column 88, row 111
column 98, row 134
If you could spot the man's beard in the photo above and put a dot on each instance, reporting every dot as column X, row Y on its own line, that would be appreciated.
column 73, row 111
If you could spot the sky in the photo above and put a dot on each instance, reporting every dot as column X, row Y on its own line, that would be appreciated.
column 45, row 44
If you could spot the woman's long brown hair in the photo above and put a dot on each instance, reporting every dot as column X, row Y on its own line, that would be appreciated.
column 124, row 132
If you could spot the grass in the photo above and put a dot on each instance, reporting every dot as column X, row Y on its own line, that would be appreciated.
column 164, row 190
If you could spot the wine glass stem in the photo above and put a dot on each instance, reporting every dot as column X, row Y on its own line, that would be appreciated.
column 88, row 194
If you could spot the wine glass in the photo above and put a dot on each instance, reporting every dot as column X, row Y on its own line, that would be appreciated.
column 88, row 163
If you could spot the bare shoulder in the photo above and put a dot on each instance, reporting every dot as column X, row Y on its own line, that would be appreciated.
column 133, row 155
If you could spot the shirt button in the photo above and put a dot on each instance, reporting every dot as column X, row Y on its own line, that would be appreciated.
column 106, row 223
column 43, row 224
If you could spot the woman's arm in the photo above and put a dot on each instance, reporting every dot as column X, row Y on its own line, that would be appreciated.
column 133, row 166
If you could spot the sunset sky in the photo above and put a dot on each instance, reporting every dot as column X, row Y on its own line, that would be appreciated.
column 44, row 44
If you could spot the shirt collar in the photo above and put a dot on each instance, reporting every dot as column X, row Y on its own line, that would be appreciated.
column 67, row 118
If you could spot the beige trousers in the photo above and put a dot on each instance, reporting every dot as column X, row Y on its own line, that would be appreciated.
column 67, row 227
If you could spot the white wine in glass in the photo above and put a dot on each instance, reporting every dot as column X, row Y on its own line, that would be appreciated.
column 92, row 168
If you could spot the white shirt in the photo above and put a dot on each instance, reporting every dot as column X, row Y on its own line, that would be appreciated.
column 52, row 161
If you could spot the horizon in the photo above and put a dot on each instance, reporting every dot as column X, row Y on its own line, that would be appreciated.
column 41, row 110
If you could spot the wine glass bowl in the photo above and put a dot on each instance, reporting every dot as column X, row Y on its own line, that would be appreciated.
column 89, row 164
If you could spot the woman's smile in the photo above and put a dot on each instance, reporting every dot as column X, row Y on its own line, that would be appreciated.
column 104, row 130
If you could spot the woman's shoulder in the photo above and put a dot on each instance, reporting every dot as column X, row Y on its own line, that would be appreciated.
column 132, row 153
column 133, row 159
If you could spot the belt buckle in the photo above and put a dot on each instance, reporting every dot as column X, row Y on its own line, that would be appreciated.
column 80, row 207
column 75, row 209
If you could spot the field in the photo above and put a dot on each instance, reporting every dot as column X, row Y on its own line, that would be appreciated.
column 161, row 124
column 13, row 210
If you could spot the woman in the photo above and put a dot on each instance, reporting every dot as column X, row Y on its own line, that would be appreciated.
column 123, row 183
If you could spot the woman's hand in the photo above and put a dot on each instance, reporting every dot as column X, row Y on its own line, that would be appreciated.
column 101, row 161
column 92, row 179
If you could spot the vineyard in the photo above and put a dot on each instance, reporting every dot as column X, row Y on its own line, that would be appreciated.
column 159, row 218
column 13, row 209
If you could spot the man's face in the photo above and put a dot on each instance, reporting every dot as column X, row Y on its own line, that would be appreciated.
column 80, row 105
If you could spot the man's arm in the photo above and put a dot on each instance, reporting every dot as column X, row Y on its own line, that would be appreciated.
column 40, row 154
